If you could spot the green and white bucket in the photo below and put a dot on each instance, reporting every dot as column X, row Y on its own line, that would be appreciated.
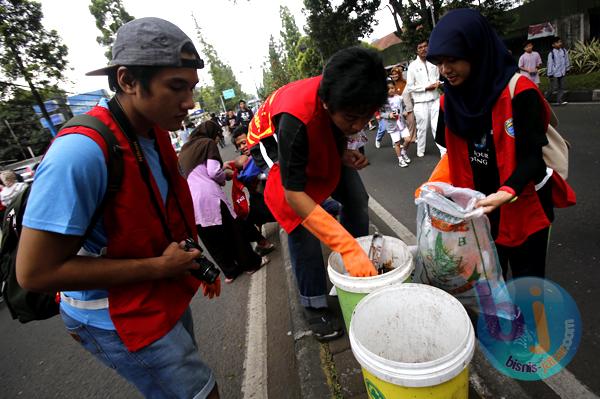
column 413, row 341
column 351, row 290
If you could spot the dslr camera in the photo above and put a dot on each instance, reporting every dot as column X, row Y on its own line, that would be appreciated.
column 207, row 272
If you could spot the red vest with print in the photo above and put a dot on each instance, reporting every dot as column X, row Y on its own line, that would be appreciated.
column 324, row 162
column 525, row 216
column 144, row 312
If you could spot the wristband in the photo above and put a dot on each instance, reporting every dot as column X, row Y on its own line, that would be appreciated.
column 511, row 191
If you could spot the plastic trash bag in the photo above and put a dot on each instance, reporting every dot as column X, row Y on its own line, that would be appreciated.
column 455, row 249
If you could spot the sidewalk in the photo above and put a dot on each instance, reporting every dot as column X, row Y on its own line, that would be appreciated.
column 329, row 370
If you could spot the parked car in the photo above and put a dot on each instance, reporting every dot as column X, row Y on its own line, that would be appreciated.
column 25, row 169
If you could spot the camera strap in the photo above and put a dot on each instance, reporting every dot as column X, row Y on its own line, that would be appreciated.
column 121, row 119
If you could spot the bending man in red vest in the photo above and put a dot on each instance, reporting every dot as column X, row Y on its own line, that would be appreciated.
column 126, row 292
column 298, row 136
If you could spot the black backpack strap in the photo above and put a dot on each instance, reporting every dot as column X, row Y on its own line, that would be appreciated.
column 114, row 162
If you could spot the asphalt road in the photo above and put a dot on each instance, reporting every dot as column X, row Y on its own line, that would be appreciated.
column 574, row 251
column 39, row 360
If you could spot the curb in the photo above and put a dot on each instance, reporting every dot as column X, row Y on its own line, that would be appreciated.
column 309, row 352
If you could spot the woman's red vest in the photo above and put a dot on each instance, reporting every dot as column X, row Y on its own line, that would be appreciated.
column 525, row 216
column 324, row 162
column 144, row 312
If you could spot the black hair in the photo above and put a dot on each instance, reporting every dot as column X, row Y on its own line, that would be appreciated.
column 143, row 74
column 526, row 42
column 237, row 132
column 421, row 41
column 242, row 101
column 354, row 79
column 556, row 39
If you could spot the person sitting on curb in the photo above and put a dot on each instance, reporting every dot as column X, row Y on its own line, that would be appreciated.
column 299, row 138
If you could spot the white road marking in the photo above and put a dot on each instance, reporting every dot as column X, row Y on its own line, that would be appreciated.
column 564, row 383
column 398, row 228
column 254, row 384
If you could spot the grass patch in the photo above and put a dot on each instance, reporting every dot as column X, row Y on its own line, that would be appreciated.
column 330, row 372
column 588, row 81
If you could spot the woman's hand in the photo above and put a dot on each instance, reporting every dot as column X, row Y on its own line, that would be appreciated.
column 493, row 201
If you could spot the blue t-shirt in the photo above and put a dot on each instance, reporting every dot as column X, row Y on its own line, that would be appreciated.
column 69, row 185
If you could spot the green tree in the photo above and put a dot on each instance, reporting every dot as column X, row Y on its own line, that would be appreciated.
column 334, row 28
column 309, row 61
column 110, row 15
column 417, row 17
column 221, row 73
column 290, row 38
column 18, row 112
column 275, row 74
column 28, row 51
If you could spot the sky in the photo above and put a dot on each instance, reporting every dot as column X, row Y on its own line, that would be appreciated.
column 239, row 32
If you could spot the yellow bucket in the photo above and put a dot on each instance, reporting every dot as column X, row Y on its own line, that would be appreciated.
column 413, row 341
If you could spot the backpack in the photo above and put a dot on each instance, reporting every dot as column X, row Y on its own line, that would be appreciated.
column 26, row 305
column 556, row 152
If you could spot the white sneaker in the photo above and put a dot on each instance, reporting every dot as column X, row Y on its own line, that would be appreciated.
column 420, row 154
column 405, row 158
column 377, row 144
column 402, row 163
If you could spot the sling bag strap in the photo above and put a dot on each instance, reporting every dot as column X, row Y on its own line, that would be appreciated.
column 114, row 161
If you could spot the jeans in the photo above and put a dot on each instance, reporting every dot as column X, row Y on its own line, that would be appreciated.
column 305, row 249
column 380, row 130
column 556, row 84
column 168, row 368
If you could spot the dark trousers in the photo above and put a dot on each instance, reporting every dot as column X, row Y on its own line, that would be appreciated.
column 556, row 84
column 305, row 249
column 528, row 259
column 229, row 245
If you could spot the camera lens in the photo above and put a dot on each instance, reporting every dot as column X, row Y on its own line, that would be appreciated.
column 207, row 272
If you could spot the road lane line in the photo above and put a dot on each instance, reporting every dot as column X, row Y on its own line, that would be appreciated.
column 566, row 386
column 254, row 384
column 398, row 228
column 564, row 383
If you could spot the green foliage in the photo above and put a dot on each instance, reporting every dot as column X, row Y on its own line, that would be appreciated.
column 18, row 111
column 27, row 50
column 277, row 73
column 110, row 15
column 222, row 76
column 585, row 57
column 290, row 38
column 334, row 28
column 309, row 61
column 586, row 81
column 416, row 16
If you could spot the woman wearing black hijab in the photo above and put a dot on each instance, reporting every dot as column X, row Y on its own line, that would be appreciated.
column 494, row 142
column 219, row 229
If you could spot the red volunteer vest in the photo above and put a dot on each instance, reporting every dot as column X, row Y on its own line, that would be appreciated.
column 525, row 216
column 144, row 312
column 324, row 162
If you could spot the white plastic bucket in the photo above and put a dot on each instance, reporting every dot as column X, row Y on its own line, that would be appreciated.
column 413, row 341
column 351, row 290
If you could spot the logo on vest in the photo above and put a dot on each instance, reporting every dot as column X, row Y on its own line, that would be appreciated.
column 509, row 128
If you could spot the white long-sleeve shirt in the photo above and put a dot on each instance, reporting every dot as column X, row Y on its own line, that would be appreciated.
column 420, row 75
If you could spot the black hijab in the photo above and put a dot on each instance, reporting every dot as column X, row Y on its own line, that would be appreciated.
column 200, row 147
column 466, row 34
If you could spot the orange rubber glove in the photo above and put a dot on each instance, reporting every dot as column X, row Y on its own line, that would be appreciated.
column 212, row 290
column 323, row 226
